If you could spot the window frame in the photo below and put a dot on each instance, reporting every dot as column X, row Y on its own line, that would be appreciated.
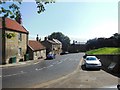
column 20, row 36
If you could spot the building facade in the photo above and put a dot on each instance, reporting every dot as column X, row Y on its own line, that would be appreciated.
column 53, row 46
column 14, row 41
column 36, row 50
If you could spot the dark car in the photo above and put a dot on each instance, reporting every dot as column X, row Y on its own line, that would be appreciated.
column 51, row 56
column 118, row 86
column 62, row 53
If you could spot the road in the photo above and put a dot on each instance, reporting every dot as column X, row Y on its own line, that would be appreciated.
column 89, row 79
column 27, row 76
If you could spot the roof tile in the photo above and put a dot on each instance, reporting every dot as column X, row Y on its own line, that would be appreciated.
column 13, row 25
column 35, row 45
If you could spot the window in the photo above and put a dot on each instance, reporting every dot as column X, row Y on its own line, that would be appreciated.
column 20, row 37
column 91, row 58
column 35, row 53
column 20, row 51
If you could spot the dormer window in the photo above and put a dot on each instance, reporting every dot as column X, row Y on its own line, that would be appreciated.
column 19, row 36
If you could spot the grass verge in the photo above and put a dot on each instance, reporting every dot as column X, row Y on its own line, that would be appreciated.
column 105, row 50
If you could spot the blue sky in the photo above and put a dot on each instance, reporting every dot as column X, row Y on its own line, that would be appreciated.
column 78, row 20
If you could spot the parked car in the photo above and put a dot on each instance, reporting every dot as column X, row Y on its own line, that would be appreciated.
column 62, row 53
column 92, row 62
column 118, row 86
column 51, row 56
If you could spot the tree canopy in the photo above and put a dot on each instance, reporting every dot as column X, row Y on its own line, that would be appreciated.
column 62, row 38
column 13, row 9
column 113, row 41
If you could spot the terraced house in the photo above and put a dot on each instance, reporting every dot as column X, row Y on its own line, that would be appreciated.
column 36, row 50
column 53, row 46
column 13, row 41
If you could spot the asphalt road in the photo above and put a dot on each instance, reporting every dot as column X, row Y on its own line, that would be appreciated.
column 87, row 80
column 28, row 76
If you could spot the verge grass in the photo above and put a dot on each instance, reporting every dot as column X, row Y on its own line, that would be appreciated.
column 105, row 50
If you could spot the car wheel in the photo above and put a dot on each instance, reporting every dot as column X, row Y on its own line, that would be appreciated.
column 85, row 67
column 99, row 69
column 118, row 86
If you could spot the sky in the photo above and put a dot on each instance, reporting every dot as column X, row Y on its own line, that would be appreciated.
column 80, row 20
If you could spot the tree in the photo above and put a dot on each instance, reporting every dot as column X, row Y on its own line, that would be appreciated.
column 113, row 41
column 116, row 38
column 13, row 10
column 62, row 38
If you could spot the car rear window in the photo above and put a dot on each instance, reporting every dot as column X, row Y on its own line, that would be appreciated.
column 90, row 58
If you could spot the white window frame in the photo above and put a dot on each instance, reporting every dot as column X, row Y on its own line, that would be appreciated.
column 20, row 36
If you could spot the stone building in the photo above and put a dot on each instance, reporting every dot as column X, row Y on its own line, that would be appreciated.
column 14, row 41
column 53, row 46
column 36, row 50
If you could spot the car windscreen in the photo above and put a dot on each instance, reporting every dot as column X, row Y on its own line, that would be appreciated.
column 91, row 58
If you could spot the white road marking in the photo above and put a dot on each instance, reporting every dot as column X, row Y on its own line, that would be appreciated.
column 50, row 66
column 21, row 71
column 65, row 59
column 40, row 68
column 44, row 67
column 14, row 74
column 59, row 62
column 36, row 69
column 54, row 63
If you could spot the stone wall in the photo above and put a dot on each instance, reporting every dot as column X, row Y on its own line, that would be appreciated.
column 13, row 44
column 110, row 63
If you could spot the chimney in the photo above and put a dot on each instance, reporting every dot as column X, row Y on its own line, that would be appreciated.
column 3, row 22
column 45, row 38
column 40, row 40
column 37, row 38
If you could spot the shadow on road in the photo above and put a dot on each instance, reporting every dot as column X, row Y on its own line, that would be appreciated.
column 84, row 69
column 104, row 69
column 111, row 72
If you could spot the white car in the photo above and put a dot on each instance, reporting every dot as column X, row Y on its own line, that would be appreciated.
column 92, row 62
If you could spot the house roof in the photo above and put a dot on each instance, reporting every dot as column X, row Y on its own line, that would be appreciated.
column 53, row 41
column 35, row 45
column 13, row 25
column 57, row 41
column 50, row 41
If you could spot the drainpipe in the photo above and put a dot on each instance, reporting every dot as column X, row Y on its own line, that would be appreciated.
column 3, row 41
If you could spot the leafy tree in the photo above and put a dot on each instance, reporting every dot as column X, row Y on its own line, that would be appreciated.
column 116, row 36
column 62, row 38
column 113, row 41
column 13, row 10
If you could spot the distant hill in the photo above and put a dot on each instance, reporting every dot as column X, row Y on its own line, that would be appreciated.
column 105, row 50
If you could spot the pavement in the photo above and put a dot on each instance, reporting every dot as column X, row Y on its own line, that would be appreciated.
column 75, row 81
column 19, row 64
